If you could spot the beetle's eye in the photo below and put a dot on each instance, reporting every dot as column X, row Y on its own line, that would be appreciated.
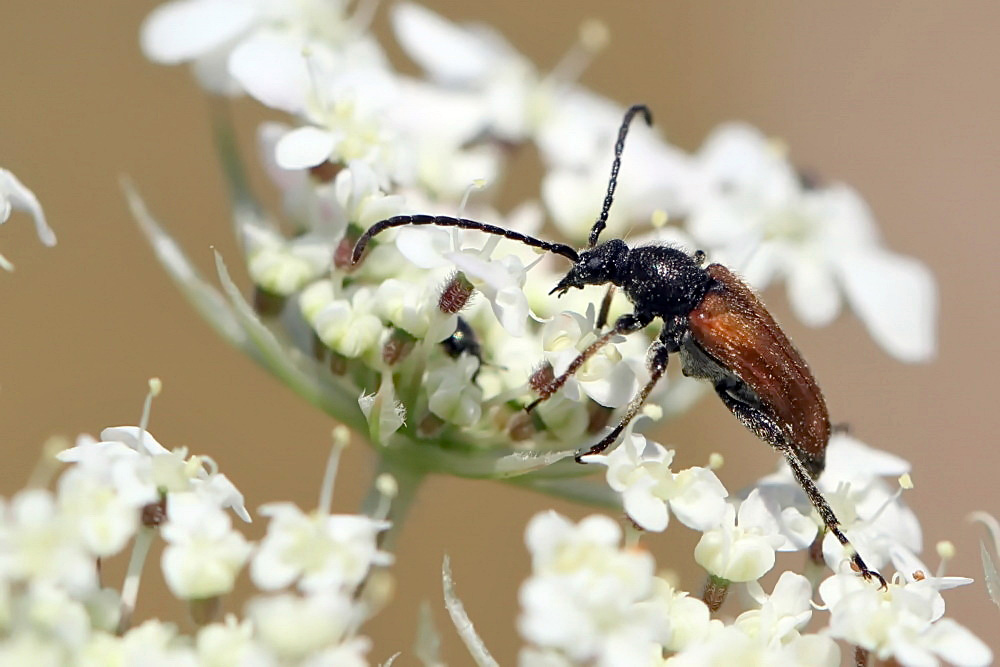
column 594, row 263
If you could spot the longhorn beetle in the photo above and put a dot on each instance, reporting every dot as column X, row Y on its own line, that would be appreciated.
column 716, row 323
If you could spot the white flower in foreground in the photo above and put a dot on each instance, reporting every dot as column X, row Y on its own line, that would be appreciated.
column 755, row 215
column 742, row 548
column 319, row 552
column 203, row 554
column 729, row 645
column 15, row 197
column 230, row 643
column 782, row 613
column 154, row 643
column 141, row 469
column 40, row 543
column 902, row 623
column 295, row 627
column 106, row 519
column 588, row 598
column 639, row 469
column 49, row 611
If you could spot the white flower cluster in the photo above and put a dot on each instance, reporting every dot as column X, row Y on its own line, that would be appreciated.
column 402, row 349
column 367, row 142
column 590, row 601
column 126, row 487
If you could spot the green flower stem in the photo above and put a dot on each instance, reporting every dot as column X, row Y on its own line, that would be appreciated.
column 408, row 480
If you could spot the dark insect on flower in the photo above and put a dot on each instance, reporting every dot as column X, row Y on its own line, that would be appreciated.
column 718, row 326
column 463, row 341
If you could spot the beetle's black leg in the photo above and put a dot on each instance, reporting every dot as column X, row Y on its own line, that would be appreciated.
column 658, row 355
column 602, row 314
column 625, row 324
column 767, row 429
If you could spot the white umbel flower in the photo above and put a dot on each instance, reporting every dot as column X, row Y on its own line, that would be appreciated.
column 742, row 548
column 316, row 551
column 203, row 554
column 640, row 470
column 294, row 627
column 587, row 598
column 903, row 622
column 40, row 543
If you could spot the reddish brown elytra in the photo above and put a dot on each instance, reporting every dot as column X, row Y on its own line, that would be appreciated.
column 717, row 325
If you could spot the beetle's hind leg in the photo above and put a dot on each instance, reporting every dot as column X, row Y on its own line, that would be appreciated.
column 766, row 428
column 658, row 356
column 625, row 324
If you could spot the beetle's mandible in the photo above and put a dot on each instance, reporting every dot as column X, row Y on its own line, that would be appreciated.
column 711, row 319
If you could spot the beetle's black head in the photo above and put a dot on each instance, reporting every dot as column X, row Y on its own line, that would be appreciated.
column 602, row 265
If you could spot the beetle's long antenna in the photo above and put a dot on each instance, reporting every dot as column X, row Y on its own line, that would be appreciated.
column 445, row 221
column 602, row 220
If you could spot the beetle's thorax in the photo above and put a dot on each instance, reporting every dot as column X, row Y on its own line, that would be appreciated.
column 663, row 281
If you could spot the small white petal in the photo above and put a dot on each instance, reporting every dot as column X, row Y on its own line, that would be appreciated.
column 186, row 29
column 812, row 290
column 448, row 52
column 273, row 71
column 645, row 509
column 701, row 504
column 896, row 298
column 14, row 195
column 304, row 147
column 957, row 645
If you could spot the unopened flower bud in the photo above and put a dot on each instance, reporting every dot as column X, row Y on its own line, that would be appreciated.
column 455, row 295
column 267, row 304
column 397, row 347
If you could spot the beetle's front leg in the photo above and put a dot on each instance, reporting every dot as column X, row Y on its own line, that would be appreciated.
column 659, row 353
column 624, row 325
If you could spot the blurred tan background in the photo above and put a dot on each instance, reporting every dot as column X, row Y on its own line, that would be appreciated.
column 900, row 99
